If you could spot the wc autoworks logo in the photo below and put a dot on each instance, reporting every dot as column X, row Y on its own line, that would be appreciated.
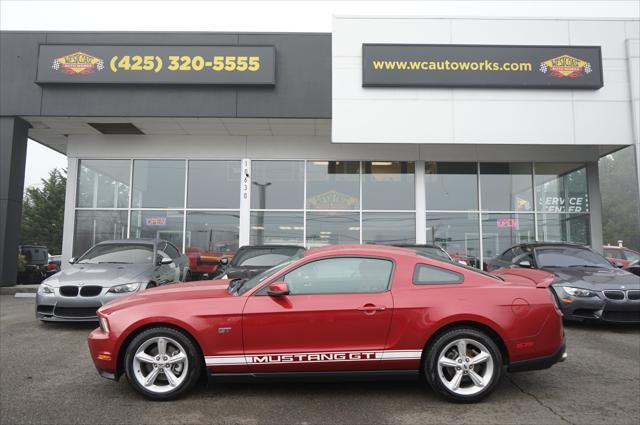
column 78, row 63
column 565, row 66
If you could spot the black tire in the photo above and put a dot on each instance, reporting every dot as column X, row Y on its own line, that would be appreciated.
column 436, row 350
column 195, row 361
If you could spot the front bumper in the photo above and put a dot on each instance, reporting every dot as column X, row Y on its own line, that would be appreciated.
column 58, row 308
column 104, row 354
column 599, row 308
column 540, row 362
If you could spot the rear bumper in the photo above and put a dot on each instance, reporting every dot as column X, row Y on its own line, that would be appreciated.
column 540, row 362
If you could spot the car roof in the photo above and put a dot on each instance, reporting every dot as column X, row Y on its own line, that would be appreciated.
column 360, row 249
column 271, row 246
column 552, row 244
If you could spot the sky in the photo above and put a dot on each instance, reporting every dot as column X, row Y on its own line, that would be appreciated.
column 252, row 16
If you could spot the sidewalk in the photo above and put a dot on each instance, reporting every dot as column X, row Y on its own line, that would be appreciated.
column 11, row 290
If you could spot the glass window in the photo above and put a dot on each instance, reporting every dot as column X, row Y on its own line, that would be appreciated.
column 564, row 228
column 118, row 253
column 277, row 184
column 506, row 186
column 158, row 184
column 332, row 228
column 388, row 185
column 92, row 227
column 282, row 228
column 212, row 232
column 333, row 185
column 103, row 183
column 340, row 276
column 565, row 256
column 451, row 185
column 429, row 275
column 213, row 184
column 502, row 231
column 165, row 225
column 562, row 188
column 457, row 233
column 632, row 255
column 614, row 253
column 265, row 256
column 171, row 251
column 388, row 228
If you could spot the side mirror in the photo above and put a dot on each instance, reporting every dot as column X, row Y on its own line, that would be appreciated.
column 278, row 289
column 224, row 261
column 524, row 263
column 72, row 260
column 164, row 261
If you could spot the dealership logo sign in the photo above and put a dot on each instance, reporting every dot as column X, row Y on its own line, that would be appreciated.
column 78, row 63
column 565, row 66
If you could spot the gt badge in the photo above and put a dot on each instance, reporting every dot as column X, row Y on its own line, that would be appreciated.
column 224, row 330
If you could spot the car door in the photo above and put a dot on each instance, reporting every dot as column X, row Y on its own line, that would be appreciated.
column 335, row 318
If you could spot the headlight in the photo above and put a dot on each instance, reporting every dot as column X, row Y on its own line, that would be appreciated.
column 578, row 292
column 104, row 324
column 45, row 289
column 123, row 289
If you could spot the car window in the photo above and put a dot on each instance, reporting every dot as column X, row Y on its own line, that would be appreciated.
column 632, row 256
column 244, row 254
column 266, row 260
column 172, row 251
column 430, row 275
column 614, row 253
column 340, row 276
column 115, row 253
column 507, row 255
column 435, row 251
column 569, row 257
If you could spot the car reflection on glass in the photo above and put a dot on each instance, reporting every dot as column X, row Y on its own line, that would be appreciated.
column 252, row 260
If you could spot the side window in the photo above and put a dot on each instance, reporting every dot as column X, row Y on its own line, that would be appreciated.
column 161, row 250
column 172, row 251
column 507, row 255
column 340, row 276
column 632, row 256
column 614, row 253
column 430, row 275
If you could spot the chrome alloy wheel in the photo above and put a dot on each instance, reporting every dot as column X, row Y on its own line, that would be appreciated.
column 465, row 367
column 160, row 364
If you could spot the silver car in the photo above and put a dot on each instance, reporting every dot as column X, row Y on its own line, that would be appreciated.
column 107, row 271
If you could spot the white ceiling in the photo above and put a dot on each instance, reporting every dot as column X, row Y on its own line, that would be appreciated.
column 53, row 131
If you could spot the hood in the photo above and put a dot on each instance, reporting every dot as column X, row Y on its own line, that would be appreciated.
column 173, row 292
column 596, row 279
column 105, row 275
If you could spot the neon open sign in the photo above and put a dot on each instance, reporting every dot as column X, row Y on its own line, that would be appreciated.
column 508, row 223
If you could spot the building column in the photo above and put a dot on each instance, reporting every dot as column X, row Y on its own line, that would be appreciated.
column 595, row 206
column 68, row 228
column 13, row 155
column 421, row 208
column 633, row 64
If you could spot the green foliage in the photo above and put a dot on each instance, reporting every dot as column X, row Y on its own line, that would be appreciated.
column 43, row 213
column 22, row 261
column 620, row 205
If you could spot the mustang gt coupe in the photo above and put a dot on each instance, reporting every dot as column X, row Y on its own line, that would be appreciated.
column 339, row 311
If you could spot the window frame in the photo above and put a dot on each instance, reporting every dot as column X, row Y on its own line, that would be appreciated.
column 430, row 266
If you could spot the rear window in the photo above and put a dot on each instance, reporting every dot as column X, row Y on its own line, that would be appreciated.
column 431, row 275
column 270, row 256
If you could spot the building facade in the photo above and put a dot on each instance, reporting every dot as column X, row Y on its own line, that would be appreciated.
column 168, row 137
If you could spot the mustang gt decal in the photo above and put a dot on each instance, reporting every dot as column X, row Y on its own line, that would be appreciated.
column 336, row 356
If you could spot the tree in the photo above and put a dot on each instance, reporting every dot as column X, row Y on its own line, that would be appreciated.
column 620, row 205
column 43, row 212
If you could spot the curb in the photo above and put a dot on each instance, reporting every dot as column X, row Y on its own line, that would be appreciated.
column 12, row 290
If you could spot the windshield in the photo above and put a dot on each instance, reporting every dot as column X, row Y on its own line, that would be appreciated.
column 570, row 257
column 266, row 256
column 114, row 253
column 256, row 280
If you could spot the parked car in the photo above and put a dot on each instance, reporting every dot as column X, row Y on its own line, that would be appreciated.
column 344, row 310
column 35, row 265
column 620, row 256
column 586, row 284
column 634, row 268
column 54, row 265
column 251, row 260
column 105, row 272
column 428, row 249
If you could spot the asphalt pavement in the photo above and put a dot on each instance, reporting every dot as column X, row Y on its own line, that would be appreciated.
column 47, row 377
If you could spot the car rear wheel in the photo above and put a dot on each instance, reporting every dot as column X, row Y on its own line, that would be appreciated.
column 162, row 363
column 463, row 365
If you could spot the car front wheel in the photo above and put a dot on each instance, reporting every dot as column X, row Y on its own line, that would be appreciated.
column 162, row 363
column 463, row 365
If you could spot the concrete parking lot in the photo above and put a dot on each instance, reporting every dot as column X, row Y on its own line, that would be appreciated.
column 46, row 376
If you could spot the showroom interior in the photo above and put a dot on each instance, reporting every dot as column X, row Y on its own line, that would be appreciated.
column 315, row 157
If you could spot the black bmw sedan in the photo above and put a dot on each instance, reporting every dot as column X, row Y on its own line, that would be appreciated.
column 587, row 286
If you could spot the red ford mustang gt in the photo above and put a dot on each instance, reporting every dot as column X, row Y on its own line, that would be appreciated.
column 340, row 311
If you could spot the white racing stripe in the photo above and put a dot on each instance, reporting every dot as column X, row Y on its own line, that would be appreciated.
column 313, row 357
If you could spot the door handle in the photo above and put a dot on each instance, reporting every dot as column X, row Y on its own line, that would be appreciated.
column 371, row 309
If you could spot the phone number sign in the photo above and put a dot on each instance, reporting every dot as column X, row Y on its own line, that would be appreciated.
column 126, row 64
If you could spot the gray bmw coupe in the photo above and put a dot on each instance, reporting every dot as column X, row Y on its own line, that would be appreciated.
column 107, row 271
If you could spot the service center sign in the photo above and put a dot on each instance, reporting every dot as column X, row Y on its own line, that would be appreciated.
column 104, row 64
column 446, row 65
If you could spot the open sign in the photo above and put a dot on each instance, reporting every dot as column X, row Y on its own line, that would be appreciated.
column 155, row 221
column 511, row 223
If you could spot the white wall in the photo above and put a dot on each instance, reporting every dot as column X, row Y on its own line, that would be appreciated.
column 477, row 116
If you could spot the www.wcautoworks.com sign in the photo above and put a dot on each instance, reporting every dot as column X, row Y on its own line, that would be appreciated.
column 447, row 65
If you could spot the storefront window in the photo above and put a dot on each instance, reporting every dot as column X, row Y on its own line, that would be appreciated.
column 561, row 188
column 333, row 185
column 278, row 228
column 388, row 185
column 212, row 232
column 564, row 228
column 388, row 228
column 506, row 186
column 451, row 186
column 103, row 183
column 213, row 184
column 502, row 231
column 92, row 227
column 456, row 233
column 158, row 224
column 158, row 183
column 332, row 228
column 277, row 184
